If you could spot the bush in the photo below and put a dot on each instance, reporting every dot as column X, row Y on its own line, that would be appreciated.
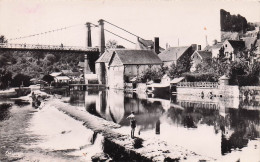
column 197, row 77
column 20, row 79
column 48, row 78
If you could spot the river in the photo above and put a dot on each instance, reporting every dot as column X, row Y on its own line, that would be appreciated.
column 225, row 129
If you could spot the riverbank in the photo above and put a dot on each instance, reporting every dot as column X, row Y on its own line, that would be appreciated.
column 29, row 134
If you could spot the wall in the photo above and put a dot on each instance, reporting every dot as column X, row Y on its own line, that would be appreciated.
column 215, row 53
column 224, row 91
column 141, row 87
column 116, row 77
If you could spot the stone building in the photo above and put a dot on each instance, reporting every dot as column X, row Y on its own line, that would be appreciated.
column 116, row 66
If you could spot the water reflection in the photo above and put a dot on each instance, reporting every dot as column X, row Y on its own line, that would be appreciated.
column 221, row 124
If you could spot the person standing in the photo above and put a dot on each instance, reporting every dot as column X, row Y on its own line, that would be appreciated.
column 132, row 123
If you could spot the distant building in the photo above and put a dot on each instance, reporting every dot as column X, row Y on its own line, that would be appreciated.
column 60, row 77
column 231, row 49
column 198, row 57
column 118, row 65
column 175, row 54
column 257, row 45
column 214, row 49
column 143, row 44
column 249, row 42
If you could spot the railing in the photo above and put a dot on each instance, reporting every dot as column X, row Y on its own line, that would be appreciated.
column 47, row 47
column 198, row 84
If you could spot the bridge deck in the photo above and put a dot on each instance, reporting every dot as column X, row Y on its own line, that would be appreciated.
column 46, row 47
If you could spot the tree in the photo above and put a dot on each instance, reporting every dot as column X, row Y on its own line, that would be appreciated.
column 3, row 39
column 48, row 78
column 50, row 57
column 21, row 79
column 111, row 44
column 5, row 78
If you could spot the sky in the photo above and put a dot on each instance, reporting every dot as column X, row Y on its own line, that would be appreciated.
column 170, row 20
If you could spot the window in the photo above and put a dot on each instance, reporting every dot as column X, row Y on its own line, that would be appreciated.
column 226, row 45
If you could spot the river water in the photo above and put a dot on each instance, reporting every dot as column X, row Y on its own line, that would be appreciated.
column 215, row 127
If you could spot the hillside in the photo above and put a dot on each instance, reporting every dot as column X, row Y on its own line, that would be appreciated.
column 38, row 63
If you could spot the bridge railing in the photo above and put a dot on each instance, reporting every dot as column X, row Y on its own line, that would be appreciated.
column 198, row 84
column 47, row 47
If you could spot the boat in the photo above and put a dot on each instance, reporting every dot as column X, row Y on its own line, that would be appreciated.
column 157, row 88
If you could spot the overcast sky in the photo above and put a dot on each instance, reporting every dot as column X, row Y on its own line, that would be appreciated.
column 167, row 19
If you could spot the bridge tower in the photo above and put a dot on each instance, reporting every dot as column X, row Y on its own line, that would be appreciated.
column 101, row 36
column 89, row 44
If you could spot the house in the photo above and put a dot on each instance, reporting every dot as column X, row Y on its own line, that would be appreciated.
column 175, row 54
column 60, row 77
column 119, row 65
column 214, row 49
column 231, row 49
column 198, row 57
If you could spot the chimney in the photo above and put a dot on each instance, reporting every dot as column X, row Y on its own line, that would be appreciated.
column 199, row 47
column 89, row 41
column 156, row 45
column 101, row 37
column 194, row 47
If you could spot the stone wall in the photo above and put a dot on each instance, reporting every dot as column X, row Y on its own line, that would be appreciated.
column 221, row 91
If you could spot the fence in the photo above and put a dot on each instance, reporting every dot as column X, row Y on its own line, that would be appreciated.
column 198, row 84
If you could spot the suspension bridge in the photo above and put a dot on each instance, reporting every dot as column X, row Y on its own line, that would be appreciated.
column 85, row 49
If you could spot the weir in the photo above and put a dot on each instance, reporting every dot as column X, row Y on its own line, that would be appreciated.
column 141, row 149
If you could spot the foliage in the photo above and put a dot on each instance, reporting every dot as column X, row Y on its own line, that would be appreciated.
column 151, row 74
column 5, row 78
column 48, row 78
column 3, row 39
column 233, row 23
column 113, row 44
column 21, row 79
column 200, row 77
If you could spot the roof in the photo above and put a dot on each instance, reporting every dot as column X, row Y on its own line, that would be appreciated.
column 54, row 74
column 223, row 77
column 204, row 54
column 81, row 64
column 173, row 53
column 135, row 57
column 66, row 71
column 207, row 48
column 62, row 78
column 237, row 44
column 146, row 44
column 217, row 46
column 177, row 80
column 105, row 57
column 249, row 41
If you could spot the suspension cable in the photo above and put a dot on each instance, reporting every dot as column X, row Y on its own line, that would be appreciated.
column 42, row 33
column 119, row 36
column 123, row 29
